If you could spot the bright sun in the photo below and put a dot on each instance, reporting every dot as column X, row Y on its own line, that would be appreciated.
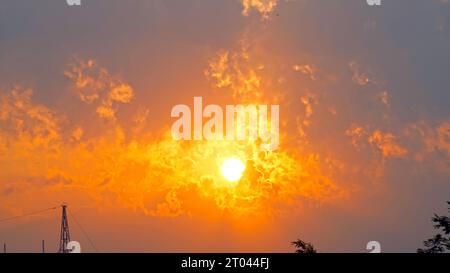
column 232, row 169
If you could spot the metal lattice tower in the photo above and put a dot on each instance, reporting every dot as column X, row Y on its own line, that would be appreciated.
column 65, row 235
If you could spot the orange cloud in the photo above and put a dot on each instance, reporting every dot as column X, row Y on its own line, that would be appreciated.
column 264, row 7
column 159, row 176
column 26, row 123
column 237, row 72
column 385, row 98
column 306, row 69
column 443, row 136
column 435, row 142
column 386, row 143
column 77, row 133
column 382, row 142
column 357, row 133
column 92, row 83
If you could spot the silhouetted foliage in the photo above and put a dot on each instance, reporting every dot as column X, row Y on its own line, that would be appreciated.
column 303, row 247
column 440, row 242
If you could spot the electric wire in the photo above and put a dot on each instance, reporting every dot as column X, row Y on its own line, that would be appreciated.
column 27, row 214
column 83, row 231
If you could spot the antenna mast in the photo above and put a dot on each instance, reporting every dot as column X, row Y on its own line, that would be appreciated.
column 65, row 235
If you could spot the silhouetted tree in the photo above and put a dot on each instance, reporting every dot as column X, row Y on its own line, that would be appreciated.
column 440, row 242
column 303, row 247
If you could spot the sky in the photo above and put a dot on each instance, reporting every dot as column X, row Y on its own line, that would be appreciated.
column 86, row 94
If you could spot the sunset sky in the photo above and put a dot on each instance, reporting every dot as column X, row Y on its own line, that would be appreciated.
column 85, row 115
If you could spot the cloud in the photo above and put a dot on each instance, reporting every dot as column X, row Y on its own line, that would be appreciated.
column 264, row 7
column 385, row 98
column 382, row 142
column 307, row 70
column 443, row 137
column 308, row 101
column 166, row 178
column 432, row 143
column 237, row 72
column 360, row 76
column 159, row 176
column 77, row 133
column 386, row 144
column 357, row 134
column 27, row 123
column 94, row 83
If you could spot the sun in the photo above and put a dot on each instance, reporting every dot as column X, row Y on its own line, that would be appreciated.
column 232, row 169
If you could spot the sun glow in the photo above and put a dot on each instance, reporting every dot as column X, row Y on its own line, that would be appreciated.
column 232, row 169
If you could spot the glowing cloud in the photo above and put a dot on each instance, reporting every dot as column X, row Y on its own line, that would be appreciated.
column 236, row 71
column 92, row 83
column 382, row 142
column 306, row 69
column 26, row 124
column 386, row 143
column 159, row 176
column 264, row 7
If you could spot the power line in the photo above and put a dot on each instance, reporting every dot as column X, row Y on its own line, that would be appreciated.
column 27, row 214
column 47, row 209
column 84, row 232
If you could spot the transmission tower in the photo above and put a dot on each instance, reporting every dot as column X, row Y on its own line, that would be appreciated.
column 65, row 235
